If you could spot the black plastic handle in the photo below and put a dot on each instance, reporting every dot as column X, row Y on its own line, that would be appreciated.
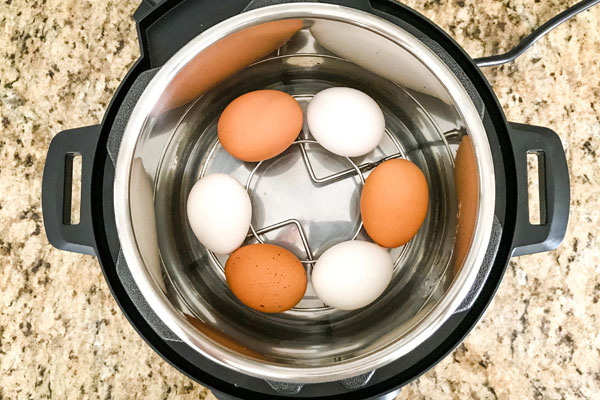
column 553, row 186
column 56, row 190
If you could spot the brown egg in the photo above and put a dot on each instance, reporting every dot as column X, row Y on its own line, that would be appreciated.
column 259, row 125
column 266, row 277
column 394, row 202
column 467, row 192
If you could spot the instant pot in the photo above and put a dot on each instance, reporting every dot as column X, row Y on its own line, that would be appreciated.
column 158, row 137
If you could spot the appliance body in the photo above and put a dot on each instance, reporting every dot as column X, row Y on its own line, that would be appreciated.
column 165, row 28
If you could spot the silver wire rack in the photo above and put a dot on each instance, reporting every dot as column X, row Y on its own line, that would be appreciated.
column 355, row 170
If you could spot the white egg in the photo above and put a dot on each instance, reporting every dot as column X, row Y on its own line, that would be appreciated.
column 219, row 212
column 345, row 121
column 352, row 274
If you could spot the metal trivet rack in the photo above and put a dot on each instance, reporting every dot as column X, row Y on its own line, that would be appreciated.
column 354, row 170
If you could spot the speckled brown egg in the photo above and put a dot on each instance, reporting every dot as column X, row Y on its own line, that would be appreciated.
column 394, row 202
column 260, row 125
column 266, row 277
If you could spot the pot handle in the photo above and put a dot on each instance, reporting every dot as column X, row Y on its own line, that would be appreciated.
column 57, row 187
column 553, row 186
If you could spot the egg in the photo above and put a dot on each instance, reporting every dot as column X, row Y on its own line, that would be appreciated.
column 266, row 277
column 394, row 202
column 352, row 274
column 260, row 125
column 345, row 121
column 219, row 212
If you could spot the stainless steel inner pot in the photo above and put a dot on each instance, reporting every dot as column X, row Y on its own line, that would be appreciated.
column 171, row 141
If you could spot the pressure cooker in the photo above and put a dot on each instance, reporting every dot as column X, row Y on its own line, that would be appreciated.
column 159, row 136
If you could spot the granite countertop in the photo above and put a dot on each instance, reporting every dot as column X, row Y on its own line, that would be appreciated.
column 61, row 333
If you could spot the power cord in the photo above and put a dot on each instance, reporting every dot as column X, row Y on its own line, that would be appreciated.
column 536, row 35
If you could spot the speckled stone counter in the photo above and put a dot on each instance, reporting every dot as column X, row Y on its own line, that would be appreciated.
column 63, row 336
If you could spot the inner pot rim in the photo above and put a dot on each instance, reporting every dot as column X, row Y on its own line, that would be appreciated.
column 430, row 322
